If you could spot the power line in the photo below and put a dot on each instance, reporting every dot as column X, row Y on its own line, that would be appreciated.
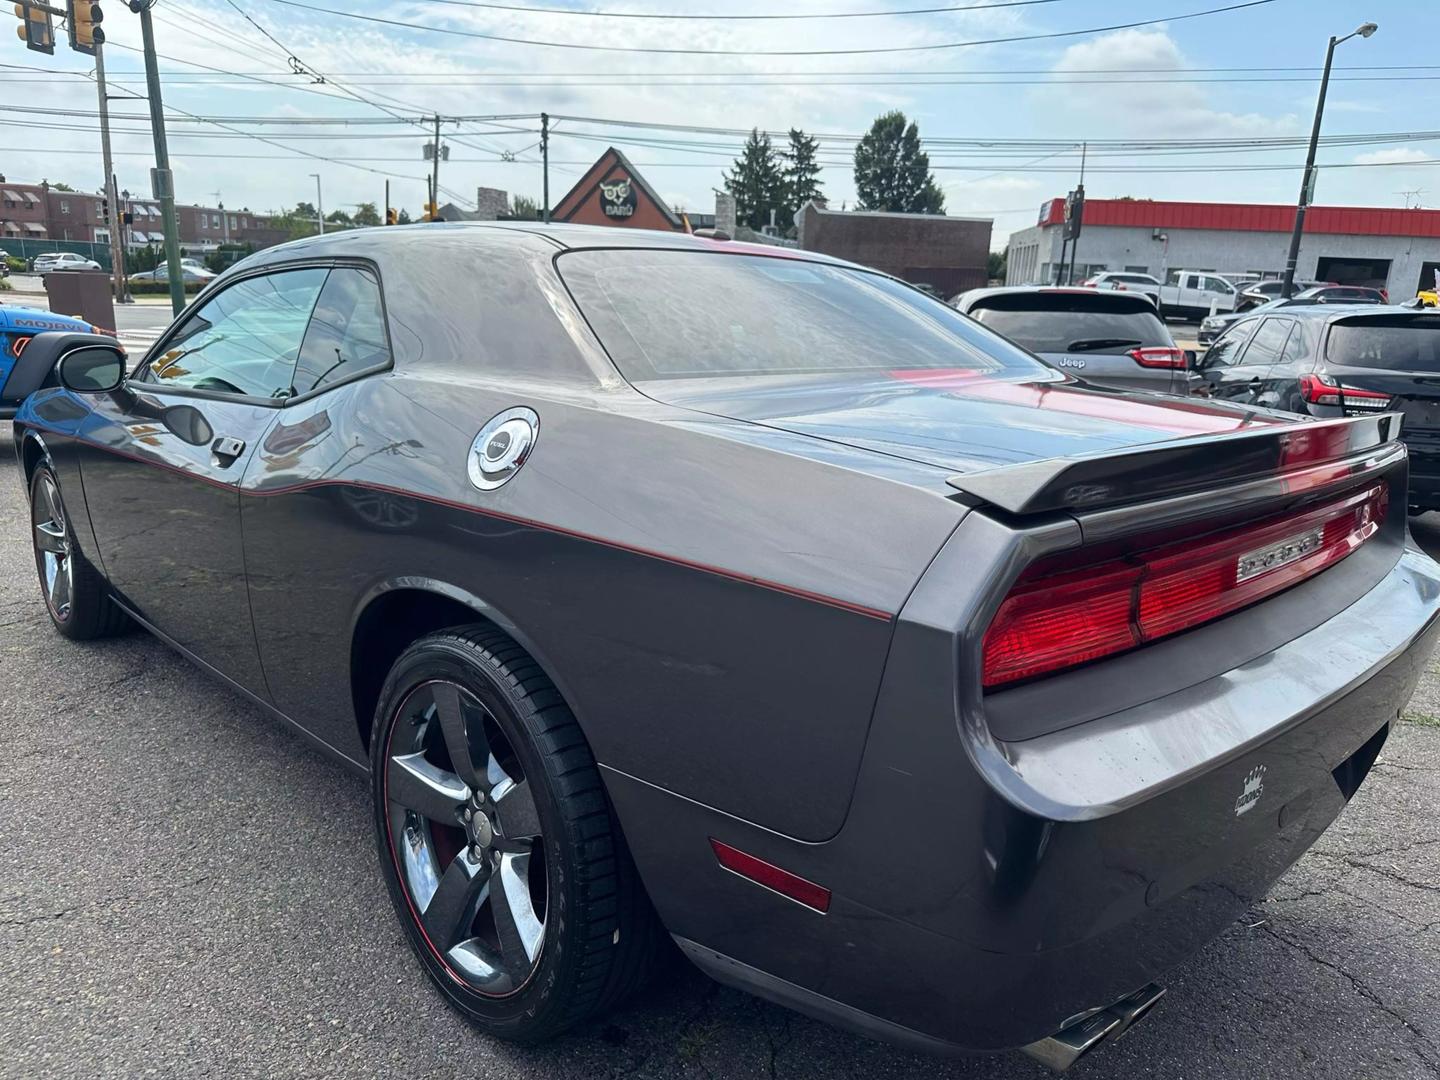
column 592, row 47
column 738, row 18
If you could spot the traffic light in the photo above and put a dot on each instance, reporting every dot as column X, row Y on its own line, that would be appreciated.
column 37, row 28
column 432, row 211
column 83, row 19
column 392, row 216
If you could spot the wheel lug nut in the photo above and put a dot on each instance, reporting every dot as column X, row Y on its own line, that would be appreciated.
column 466, row 814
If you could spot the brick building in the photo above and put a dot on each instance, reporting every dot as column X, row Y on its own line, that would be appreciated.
column 948, row 254
column 22, row 211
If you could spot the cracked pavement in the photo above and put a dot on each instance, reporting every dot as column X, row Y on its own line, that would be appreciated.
column 186, row 889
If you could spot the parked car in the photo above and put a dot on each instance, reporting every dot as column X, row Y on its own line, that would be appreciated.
column 898, row 676
column 1125, row 281
column 1107, row 337
column 52, row 261
column 1345, row 294
column 1262, row 292
column 191, row 272
column 17, row 326
column 1192, row 293
column 1213, row 326
column 1332, row 360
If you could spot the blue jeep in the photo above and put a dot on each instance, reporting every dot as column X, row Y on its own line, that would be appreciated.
column 17, row 326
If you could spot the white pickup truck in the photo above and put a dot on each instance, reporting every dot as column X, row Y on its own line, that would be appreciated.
column 1192, row 293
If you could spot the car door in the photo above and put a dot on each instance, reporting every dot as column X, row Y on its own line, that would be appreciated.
column 1280, row 385
column 162, row 469
column 1242, row 381
column 1216, row 369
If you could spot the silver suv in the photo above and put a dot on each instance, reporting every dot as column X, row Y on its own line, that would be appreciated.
column 1102, row 336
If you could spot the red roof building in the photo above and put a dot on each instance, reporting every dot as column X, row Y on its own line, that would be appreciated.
column 1386, row 247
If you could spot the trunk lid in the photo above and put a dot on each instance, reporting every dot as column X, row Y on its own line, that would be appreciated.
column 959, row 421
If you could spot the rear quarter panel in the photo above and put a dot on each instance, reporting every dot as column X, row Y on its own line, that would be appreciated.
column 717, row 612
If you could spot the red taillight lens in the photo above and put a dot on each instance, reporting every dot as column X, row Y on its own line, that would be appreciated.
column 1323, row 390
column 1158, row 357
column 1060, row 614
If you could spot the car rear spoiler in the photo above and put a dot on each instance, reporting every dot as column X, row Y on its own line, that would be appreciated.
column 1180, row 467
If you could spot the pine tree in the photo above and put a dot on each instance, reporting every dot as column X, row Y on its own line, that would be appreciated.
column 892, row 172
column 802, row 172
column 756, row 182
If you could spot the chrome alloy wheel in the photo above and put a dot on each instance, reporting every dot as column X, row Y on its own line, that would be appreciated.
column 465, row 836
column 53, row 554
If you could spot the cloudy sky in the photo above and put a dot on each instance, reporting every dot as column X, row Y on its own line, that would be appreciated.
column 1240, row 74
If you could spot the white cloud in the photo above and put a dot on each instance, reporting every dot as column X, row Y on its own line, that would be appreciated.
column 1172, row 109
column 1399, row 155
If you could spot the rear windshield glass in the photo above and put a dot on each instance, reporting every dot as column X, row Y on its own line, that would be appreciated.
column 1411, row 345
column 689, row 314
column 1057, row 324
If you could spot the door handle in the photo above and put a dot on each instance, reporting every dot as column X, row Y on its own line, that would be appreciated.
column 226, row 449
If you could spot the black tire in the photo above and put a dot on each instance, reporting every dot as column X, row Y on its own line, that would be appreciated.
column 600, row 938
column 86, row 611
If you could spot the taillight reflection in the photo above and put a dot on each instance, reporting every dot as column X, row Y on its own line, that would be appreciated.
column 1064, row 611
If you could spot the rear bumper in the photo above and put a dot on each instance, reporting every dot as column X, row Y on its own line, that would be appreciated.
column 985, row 893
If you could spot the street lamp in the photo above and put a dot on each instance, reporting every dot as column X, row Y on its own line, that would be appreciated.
column 1307, row 180
column 319, row 205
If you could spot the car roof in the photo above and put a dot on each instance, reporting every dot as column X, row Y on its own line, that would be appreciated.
column 564, row 236
column 1102, row 297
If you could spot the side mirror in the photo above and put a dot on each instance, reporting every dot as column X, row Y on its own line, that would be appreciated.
column 92, row 369
column 1191, row 360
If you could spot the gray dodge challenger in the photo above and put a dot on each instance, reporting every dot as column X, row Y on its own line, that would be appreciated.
column 673, row 590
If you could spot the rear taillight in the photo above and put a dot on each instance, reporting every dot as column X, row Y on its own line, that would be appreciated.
column 1064, row 611
column 1155, row 357
column 1323, row 390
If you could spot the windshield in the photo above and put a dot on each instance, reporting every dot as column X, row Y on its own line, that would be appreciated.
column 688, row 314
column 1393, row 345
column 1057, row 324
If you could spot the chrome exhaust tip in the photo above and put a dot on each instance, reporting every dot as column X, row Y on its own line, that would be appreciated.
column 1077, row 1038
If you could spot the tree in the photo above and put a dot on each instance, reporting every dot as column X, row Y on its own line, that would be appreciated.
column 366, row 214
column 892, row 172
column 756, row 182
column 802, row 171
column 995, row 267
column 56, row 186
column 338, row 217
column 403, row 217
column 524, row 208
column 304, row 210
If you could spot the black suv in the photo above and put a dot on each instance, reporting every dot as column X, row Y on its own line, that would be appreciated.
column 1329, row 360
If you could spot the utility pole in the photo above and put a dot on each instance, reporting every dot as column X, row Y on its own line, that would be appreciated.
column 111, row 199
column 545, row 164
column 386, row 217
column 1307, row 178
column 319, row 204
column 435, row 175
column 163, row 180
column 1080, row 199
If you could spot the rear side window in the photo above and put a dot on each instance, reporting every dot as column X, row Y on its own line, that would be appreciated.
column 1060, row 323
column 346, row 332
column 1226, row 351
column 1386, row 344
column 1268, row 342
column 690, row 314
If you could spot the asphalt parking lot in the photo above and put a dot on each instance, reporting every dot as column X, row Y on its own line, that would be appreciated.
column 188, row 890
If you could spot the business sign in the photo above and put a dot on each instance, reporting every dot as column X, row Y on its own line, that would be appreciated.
column 617, row 198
